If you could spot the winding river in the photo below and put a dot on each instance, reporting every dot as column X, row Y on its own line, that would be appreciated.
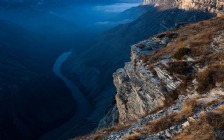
column 83, row 108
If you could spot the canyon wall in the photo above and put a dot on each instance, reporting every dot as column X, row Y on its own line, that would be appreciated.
column 213, row 6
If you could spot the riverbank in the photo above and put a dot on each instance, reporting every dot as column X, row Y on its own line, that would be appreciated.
column 83, row 108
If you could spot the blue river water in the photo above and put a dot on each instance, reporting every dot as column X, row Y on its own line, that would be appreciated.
column 83, row 108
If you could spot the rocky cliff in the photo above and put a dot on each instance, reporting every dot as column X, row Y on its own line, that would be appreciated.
column 140, row 84
column 173, row 86
column 213, row 6
column 92, row 70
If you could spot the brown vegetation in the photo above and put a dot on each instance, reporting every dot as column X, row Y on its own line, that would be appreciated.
column 180, row 67
column 172, row 119
column 210, row 126
column 105, row 132
column 196, row 131
column 152, row 69
column 197, row 37
column 140, row 46
column 134, row 136
column 181, row 53
column 208, row 78
column 169, row 35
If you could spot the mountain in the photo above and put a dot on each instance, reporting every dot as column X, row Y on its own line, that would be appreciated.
column 32, row 98
column 211, row 6
column 92, row 70
column 172, row 88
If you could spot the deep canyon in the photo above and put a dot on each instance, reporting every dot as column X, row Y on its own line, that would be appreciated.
column 65, row 68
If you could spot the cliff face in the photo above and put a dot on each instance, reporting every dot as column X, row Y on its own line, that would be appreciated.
column 213, row 6
column 92, row 70
column 145, row 82
column 139, row 91
column 173, row 87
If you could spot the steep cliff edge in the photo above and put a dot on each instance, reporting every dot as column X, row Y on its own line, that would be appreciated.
column 140, row 85
column 92, row 70
column 162, row 63
column 173, row 86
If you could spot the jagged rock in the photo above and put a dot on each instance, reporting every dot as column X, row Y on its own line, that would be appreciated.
column 185, row 124
column 138, row 89
column 212, row 6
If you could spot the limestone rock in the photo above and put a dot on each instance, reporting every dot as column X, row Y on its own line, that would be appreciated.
column 138, row 88
column 213, row 6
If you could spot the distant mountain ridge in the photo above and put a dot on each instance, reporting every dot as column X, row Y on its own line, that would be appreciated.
column 213, row 6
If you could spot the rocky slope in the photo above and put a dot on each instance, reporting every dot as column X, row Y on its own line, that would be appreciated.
column 173, row 86
column 213, row 6
column 92, row 70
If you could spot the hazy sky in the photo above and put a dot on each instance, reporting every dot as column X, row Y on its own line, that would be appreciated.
column 108, row 1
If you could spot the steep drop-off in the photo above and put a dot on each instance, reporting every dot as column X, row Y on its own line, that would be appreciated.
column 32, row 99
column 92, row 71
column 172, row 88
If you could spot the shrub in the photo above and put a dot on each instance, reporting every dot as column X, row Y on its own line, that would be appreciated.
column 168, row 35
column 135, row 136
column 140, row 46
column 179, row 67
column 207, row 79
column 208, row 127
column 181, row 52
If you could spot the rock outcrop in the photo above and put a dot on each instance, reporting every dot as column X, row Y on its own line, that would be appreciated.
column 139, row 88
column 173, row 86
column 144, row 83
column 105, row 56
column 213, row 6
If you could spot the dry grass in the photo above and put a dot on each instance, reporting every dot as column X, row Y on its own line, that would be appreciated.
column 181, row 53
column 172, row 119
column 152, row 69
column 182, row 68
column 208, row 78
column 134, row 136
column 196, row 37
column 188, row 108
column 209, row 127
column 105, row 132
column 161, row 124
column 196, row 131
column 170, row 35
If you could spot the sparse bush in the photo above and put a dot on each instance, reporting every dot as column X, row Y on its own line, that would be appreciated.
column 161, row 123
column 144, row 59
column 152, row 69
column 182, row 52
column 196, row 131
column 208, row 78
column 214, row 119
column 179, row 67
column 134, row 136
column 172, row 119
column 140, row 46
column 168, row 35
column 209, row 127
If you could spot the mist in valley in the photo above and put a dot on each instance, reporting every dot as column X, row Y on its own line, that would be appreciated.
column 33, row 34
